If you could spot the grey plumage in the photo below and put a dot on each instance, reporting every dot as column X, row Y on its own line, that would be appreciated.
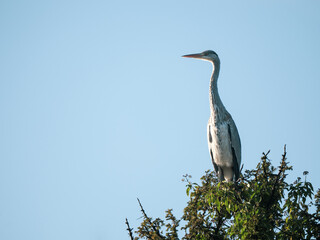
column 223, row 137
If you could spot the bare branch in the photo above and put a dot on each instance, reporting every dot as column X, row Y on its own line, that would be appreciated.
column 281, row 170
column 129, row 230
column 146, row 217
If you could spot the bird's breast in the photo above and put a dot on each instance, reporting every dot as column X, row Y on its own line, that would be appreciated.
column 220, row 144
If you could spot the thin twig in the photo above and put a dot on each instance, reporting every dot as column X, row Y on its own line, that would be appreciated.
column 146, row 217
column 281, row 170
column 129, row 230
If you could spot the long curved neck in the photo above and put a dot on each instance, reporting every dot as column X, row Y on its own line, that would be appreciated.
column 216, row 106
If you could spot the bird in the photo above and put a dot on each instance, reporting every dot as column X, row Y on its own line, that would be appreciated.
column 222, row 133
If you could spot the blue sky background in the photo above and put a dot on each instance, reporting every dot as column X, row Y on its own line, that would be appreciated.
column 98, row 107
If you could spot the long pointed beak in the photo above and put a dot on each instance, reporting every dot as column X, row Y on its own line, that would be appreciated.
column 196, row 55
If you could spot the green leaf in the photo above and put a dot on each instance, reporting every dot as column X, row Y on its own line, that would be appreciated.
column 188, row 190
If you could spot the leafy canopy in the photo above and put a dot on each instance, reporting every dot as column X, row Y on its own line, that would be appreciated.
column 260, row 205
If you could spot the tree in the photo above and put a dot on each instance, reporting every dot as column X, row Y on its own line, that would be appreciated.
column 260, row 205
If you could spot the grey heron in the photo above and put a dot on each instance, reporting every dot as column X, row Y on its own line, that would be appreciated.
column 223, row 137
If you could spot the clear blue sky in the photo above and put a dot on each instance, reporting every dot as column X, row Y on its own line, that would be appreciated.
column 98, row 107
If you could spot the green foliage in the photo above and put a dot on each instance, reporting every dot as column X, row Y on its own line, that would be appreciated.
column 260, row 205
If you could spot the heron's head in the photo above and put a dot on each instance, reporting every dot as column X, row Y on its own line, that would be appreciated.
column 208, row 55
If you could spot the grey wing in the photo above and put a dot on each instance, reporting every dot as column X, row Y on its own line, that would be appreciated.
column 235, row 146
